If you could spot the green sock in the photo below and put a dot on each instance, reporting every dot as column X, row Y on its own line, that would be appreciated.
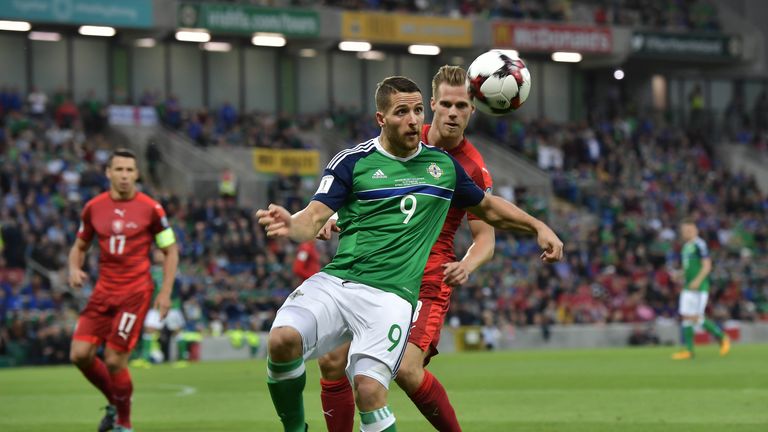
column 181, row 346
column 688, row 337
column 713, row 329
column 286, row 386
column 376, row 416
column 146, row 346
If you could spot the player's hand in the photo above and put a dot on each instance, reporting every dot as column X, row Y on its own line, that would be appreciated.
column 77, row 277
column 455, row 273
column 163, row 304
column 552, row 245
column 694, row 285
column 327, row 230
column 276, row 220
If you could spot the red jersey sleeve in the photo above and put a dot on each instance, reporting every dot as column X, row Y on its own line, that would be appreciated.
column 86, row 231
column 482, row 178
column 159, row 220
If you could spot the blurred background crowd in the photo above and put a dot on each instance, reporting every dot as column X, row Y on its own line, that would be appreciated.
column 637, row 177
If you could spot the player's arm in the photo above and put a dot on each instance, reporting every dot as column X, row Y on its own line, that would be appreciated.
column 506, row 216
column 75, row 260
column 170, row 265
column 706, row 269
column 309, row 223
column 165, row 239
column 479, row 253
column 329, row 228
column 300, row 227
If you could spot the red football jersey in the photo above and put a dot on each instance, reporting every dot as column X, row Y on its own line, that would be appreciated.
column 472, row 162
column 125, row 231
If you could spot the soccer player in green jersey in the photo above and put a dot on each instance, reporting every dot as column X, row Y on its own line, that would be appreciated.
column 697, row 266
column 392, row 194
column 151, row 351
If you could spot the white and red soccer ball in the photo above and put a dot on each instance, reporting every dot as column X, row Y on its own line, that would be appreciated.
column 498, row 82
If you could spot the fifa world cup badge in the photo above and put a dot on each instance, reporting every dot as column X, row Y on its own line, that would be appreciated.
column 434, row 170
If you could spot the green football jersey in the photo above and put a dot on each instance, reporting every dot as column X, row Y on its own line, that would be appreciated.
column 693, row 254
column 391, row 211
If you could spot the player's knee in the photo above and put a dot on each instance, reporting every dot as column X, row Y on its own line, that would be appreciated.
column 410, row 375
column 80, row 356
column 332, row 366
column 690, row 321
column 370, row 394
column 284, row 344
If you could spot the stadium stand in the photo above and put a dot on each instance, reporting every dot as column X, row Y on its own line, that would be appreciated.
column 232, row 275
column 655, row 14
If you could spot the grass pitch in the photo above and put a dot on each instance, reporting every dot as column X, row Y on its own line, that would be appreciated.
column 560, row 391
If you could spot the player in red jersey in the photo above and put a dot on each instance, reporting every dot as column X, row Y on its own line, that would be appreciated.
column 125, row 222
column 452, row 108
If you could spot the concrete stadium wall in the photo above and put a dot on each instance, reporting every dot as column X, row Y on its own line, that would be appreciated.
column 602, row 336
column 576, row 336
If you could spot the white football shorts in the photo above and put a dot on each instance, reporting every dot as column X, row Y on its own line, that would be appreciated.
column 693, row 303
column 174, row 320
column 377, row 322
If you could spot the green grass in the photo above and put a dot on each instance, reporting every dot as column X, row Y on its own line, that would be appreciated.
column 564, row 391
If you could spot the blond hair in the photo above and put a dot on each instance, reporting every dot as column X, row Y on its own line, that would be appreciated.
column 451, row 75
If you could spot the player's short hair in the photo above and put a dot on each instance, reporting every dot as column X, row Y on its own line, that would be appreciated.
column 451, row 75
column 688, row 221
column 390, row 86
column 121, row 152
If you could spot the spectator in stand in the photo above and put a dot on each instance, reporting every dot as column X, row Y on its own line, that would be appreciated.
column 67, row 114
column 154, row 157
column 227, row 116
column 94, row 114
column 172, row 112
column 761, row 112
column 38, row 103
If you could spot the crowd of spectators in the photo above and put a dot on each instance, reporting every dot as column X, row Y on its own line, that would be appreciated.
column 50, row 165
column 226, row 126
column 638, row 178
column 669, row 15
column 675, row 15
column 51, row 157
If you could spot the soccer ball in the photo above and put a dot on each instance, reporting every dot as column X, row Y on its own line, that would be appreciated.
column 498, row 82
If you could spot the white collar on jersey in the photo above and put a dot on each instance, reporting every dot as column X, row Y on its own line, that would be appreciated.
column 380, row 148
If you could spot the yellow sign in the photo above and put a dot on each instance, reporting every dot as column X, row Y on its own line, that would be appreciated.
column 303, row 162
column 406, row 29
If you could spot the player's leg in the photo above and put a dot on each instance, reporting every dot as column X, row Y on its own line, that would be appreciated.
column 122, row 385
column 93, row 326
column 305, row 324
column 423, row 388
column 126, row 329
column 142, row 356
column 712, row 328
column 285, row 367
column 689, row 307
column 371, row 397
column 150, row 339
column 335, row 391
column 379, row 338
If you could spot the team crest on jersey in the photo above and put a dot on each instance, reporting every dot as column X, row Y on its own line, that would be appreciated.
column 434, row 170
column 117, row 226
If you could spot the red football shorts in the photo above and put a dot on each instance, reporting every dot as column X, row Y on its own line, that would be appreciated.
column 434, row 300
column 116, row 319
